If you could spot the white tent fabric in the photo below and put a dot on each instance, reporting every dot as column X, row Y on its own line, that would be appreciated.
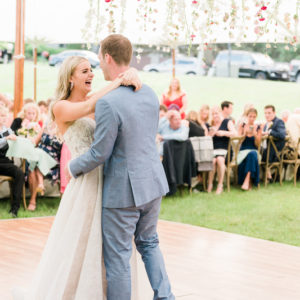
column 60, row 21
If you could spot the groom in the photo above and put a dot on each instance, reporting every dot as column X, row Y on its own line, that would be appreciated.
column 134, row 179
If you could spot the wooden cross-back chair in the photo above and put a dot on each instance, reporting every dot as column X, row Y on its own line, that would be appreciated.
column 290, row 156
column 268, row 166
column 234, row 146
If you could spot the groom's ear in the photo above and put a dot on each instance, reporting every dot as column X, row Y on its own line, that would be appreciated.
column 107, row 58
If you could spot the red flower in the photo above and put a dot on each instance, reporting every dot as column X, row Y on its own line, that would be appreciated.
column 261, row 19
column 194, row 2
column 193, row 36
column 263, row 8
column 107, row 1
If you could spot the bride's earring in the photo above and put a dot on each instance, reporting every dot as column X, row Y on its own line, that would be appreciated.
column 71, row 85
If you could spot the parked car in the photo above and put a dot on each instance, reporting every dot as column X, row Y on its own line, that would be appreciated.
column 57, row 59
column 183, row 65
column 295, row 70
column 6, row 52
column 250, row 65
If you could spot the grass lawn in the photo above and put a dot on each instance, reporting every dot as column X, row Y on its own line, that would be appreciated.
column 271, row 213
column 200, row 90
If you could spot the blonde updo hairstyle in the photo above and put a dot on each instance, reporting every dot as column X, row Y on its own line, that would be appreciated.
column 63, row 88
column 28, row 106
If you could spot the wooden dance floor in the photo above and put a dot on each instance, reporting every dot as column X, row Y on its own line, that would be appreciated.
column 202, row 263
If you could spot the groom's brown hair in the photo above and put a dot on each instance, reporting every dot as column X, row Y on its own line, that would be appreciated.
column 118, row 47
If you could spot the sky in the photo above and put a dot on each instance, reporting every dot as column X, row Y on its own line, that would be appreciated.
column 62, row 21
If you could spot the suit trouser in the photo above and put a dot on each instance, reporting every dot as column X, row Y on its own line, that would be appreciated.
column 7, row 168
column 119, row 225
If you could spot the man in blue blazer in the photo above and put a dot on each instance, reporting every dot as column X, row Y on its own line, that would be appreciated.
column 274, row 127
column 134, row 179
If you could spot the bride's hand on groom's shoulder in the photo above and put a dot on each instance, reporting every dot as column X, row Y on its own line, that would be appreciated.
column 130, row 77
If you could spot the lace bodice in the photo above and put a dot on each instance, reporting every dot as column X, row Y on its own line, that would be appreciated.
column 79, row 136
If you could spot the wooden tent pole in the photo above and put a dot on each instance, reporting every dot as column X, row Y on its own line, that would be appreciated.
column 34, row 72
column 173, row 60
column 19, row 56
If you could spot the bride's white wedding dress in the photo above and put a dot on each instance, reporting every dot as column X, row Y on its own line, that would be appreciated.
column 71, row 267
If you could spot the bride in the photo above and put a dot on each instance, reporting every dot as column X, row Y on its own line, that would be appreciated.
column 71, row 267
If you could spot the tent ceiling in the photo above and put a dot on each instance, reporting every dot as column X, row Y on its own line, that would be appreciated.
column 156, row 22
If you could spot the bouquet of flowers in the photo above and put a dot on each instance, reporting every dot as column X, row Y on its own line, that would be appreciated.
column 29, row 129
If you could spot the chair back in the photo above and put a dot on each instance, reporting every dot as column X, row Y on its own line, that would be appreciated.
column 278, row 153
column 203, row 148
column 234, row 146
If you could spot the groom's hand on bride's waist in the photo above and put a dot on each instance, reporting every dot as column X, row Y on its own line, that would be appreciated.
column 68, row 173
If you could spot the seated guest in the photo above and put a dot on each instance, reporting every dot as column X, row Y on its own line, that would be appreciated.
column 244, row 118
column 27, row 118
column 221, row 130
column 7, row 167
column 194, row 124
column 204, row 116
column 227, row 108
column 274, row 127
column 163, row 111
column 28, row 100
column 52, row 145
column 43, row 106
column 293, row 129
column 4, row 101
column 174, row 129
column 285, row 115
column 175, row 96
column 27, row 125
column 248, row 169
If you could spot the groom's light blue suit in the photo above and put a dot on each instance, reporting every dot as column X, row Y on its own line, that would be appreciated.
column 134, row 182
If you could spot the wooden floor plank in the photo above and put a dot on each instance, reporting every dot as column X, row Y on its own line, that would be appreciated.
column 201, row 263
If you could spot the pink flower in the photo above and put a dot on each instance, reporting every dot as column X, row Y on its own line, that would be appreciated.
column 107, row 1
column 261, row 19
column 194, row 2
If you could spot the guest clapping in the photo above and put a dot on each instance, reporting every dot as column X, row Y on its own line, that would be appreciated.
column 221, row 130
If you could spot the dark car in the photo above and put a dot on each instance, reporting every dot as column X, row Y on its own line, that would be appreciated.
column 247, row 64
column 295, row 70
column 57, row 59
column 6, row 52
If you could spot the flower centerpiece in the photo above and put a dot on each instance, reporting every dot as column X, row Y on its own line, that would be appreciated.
column 29, row 129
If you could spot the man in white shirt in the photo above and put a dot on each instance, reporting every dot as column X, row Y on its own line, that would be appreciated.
column 173, row 129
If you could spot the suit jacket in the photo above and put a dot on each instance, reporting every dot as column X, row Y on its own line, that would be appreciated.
column 124, row 139
column 278, row 131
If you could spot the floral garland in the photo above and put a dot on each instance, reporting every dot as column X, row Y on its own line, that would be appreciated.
column 198, row 21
